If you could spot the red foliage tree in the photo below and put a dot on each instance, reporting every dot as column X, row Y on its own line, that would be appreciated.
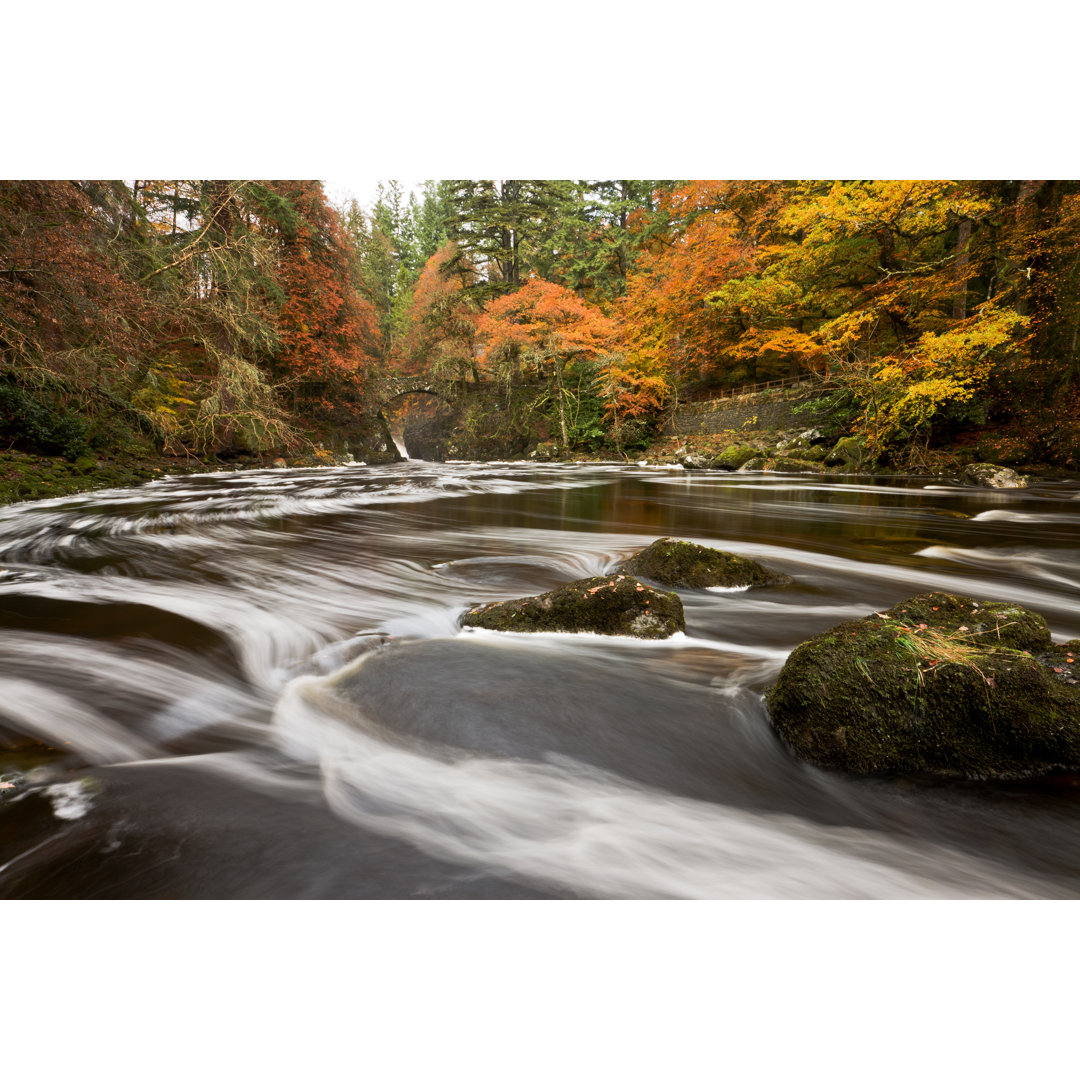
column 328, row 330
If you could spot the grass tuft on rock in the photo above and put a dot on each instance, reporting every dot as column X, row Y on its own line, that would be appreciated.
column 938, row 684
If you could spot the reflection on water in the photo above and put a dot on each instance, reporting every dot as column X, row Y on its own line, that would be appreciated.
column 260, row 689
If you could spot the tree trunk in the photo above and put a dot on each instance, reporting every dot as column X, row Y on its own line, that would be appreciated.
column 961, row 268
column 562, row 401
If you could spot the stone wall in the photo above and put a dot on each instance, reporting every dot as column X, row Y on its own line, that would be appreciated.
column 767, row 411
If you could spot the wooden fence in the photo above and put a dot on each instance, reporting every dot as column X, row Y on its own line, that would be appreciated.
column 791, row 382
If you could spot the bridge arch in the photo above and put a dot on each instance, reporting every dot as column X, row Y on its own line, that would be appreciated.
column 390, row 392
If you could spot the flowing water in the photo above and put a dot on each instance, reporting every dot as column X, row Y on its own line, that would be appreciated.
column 259, row 688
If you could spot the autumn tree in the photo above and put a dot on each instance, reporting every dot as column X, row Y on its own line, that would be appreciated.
column 698, row 245
column 543, row 326
column 441, row 320
column 327, row 329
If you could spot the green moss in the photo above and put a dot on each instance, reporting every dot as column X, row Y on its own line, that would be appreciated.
column 1003, row 625
column 758, row 464
column 682, row 565
column 618, row 604
column 850, row 451
column 796, row 465
column 804, row 453
column 734, row 456
column 861, row 698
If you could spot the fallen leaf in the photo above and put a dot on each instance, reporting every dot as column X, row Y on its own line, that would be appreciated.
column 5, row 786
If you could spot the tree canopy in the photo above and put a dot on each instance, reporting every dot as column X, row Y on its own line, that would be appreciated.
column 216, row 314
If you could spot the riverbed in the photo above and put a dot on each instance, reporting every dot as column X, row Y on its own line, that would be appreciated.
column 255, row 685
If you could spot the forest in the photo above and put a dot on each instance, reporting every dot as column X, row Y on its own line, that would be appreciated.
column 156, row 321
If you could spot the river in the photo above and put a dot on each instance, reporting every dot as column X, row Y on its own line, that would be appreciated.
column 260, row 689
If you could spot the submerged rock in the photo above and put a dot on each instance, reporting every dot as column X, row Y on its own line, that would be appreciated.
column 683, row 565
column 938, row 684
column 616, row 604
column 12, row 785
column 984, row 474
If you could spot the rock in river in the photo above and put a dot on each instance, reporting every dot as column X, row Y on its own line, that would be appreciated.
column 614, row 604
column 682, row 565
column 984, row 474
column 938, row 684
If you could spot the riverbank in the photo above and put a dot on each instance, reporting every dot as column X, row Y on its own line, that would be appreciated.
column 796, row 450
column 26, row 476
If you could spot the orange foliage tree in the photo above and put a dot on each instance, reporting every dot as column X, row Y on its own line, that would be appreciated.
column 696, row 245
column 543, row 326
column 441, row 319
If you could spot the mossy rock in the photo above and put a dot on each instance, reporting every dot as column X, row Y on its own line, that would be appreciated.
column 851, row 450
column 682, row 565
column 546, row 451
column 733, row 457
column 791, row 465
column 757, row 464
column 617, row 604
column 938, row 684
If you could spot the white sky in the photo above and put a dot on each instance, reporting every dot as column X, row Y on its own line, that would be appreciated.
column 341, row 192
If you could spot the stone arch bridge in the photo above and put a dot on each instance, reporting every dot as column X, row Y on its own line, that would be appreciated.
column 385, row 391
column 381, row 392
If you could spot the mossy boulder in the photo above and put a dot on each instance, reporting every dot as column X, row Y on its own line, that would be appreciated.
column 617, row 604
column 851, row 450
column 733, row 457
column 757, row 464
column 808, row 453
column 682, row 565
column 796, row 465
column 546, row 451
column 939, row 684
